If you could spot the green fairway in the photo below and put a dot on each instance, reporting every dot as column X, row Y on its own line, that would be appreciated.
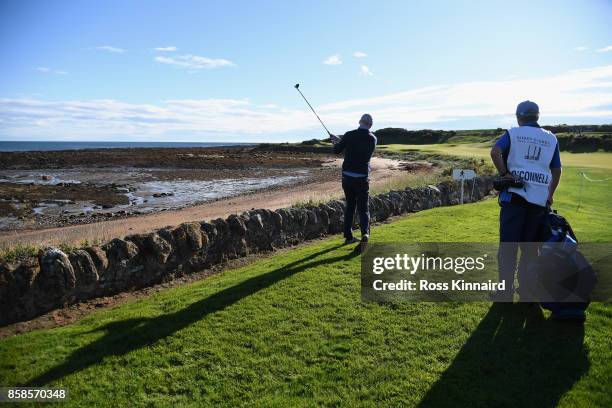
column 482, row 150
column 291, row 330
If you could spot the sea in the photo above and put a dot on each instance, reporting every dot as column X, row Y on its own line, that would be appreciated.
column 26, row 146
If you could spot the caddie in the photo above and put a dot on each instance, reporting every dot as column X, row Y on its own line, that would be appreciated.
column 530, row 154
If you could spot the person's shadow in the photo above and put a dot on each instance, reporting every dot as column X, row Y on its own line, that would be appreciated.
column 123, row 336
column 514, row 358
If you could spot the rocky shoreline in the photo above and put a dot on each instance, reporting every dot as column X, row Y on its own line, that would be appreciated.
column 58, row 188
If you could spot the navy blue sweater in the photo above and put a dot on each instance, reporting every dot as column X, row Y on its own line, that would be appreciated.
column 358, row 146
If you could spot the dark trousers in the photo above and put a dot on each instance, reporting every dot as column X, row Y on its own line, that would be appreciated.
column 356, row 193
column 519, row 223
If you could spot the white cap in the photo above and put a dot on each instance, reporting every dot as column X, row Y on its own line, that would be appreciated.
column 366, row 118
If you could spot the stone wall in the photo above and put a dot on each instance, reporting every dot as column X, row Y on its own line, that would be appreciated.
column 37, row 285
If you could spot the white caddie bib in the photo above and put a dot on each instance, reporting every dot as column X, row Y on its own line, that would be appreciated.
column 531, row 150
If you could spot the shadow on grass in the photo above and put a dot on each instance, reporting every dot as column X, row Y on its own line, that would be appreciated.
column 127, row 335
column 514, row 358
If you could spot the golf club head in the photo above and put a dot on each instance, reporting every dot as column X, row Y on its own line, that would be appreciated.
column 297, row 86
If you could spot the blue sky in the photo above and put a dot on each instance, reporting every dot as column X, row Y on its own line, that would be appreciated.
column 224, row 71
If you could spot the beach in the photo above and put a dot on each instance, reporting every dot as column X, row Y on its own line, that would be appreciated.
column 68, row 197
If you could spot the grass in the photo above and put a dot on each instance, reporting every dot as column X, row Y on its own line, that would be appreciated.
column 20, row 251
column 408, row 180
column 481, row 150
column 313, row 201
column 290, row 330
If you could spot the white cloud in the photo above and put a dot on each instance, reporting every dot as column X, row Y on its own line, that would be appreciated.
column 605, row 49
column 46, row 70
column 333, row 60
column 583, row 95
column 364, row 70
column 577, row 93
column 110, row 48
column 169, row 48
column 95, row 118
column 195, row 62
column 359, row 54
column 581, row 48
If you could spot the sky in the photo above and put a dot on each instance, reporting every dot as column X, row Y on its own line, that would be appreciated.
column 223, row 71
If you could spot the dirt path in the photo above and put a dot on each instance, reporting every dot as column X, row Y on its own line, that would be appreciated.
column 383, row 170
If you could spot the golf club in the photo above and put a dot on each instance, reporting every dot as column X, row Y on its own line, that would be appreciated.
column 297, row 86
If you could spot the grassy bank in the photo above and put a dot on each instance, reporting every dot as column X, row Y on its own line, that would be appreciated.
column 291, row 330
column 482, row 150
column 587, row 138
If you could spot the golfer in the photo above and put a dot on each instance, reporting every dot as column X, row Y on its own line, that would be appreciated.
column 358, row 146
column 531, row 154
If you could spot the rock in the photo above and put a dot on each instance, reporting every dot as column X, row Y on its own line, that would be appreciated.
column 155, row 253
column 395, row 200
column 107, row 206
column 290, row 234
column 98, row 256
column 188, row 238
column 55, row 266
column 335, row 219
column 381, row 208
column 46, row 177
column 158, row 195
column 16, row 293
column 154, row 245
column 223, row 244
column 56, row 279
column 122, row 265
column 339, row 205
column 85, row 272
column 209, row 229
column 158, row 247
column 317, row 223
column 237, row 225
column 260, row 235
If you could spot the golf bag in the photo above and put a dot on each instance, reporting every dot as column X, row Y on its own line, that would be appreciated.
column 561, row 278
